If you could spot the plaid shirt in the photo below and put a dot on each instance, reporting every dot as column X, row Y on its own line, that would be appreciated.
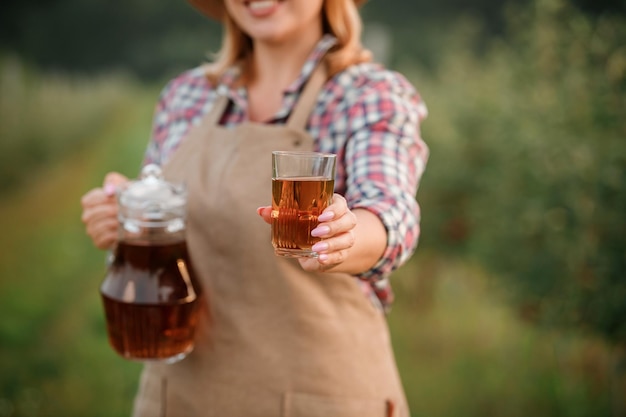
column 367, row 115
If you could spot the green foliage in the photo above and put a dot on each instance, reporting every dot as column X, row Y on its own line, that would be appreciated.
column 462, row 351
column 54, row 354
column 528, row 162
column 522, row 192
column 149, row 39
column 155, row 40
column 42, row 117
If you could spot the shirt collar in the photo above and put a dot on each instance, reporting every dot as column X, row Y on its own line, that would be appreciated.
column 322, row 47
column 228, row 82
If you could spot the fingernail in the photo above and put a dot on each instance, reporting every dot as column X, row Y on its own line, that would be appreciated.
column 319, row 247
column 109, row 189
column 320, row 231
column 325, row 216
column 322, row 257
column 258, row 211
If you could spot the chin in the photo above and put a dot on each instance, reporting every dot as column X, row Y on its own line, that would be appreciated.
column 270, row 36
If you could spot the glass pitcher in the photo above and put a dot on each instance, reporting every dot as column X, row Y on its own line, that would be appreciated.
column 150, row 295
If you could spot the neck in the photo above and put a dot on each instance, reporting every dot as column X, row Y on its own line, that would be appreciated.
column 280, row 64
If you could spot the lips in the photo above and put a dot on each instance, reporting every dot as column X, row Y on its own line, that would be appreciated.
column 261, row 4
column 261, row 8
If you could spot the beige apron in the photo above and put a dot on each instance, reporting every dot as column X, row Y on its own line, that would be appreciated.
column 275, row 340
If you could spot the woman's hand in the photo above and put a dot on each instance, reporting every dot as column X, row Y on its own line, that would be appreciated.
column 337, row 230
column 100, row 211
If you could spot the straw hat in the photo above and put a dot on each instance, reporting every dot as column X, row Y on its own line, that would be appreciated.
column 215, row 8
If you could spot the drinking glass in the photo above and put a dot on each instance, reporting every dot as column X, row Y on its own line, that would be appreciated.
column 302, row 187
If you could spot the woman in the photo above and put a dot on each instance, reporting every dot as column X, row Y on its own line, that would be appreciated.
column 285, row 337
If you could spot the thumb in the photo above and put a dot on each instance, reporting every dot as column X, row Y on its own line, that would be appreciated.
column 112, row 181
column 265, row 212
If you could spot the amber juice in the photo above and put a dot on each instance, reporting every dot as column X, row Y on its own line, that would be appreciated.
column 296, row 204
column 151, row 301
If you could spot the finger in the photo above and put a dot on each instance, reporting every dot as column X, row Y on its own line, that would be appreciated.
column 106, row 241
column 335, row 210
column 313, row 265
column 338, row 207
column 331, row 228
column 337, row 243
column 98, row 212
column 115, row 179
column 309, row 264
column 94, row 197
column 266, row 213
column 103, row 233
column 112, row 181
column 102, row 226
column 329, row 260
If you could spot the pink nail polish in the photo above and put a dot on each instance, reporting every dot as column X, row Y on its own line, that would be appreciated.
column 325, row 216
column 109, row 189
column 320, row 231
column 319, row 247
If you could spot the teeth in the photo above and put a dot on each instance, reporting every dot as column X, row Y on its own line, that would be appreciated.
column 263, row 4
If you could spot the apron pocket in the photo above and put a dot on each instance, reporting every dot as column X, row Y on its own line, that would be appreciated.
column 310, row 405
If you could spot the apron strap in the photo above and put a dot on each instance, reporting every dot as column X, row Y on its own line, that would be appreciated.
column 216, row 112
column 300, row 114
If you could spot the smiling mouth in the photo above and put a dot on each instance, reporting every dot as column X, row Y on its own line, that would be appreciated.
column 261, row 5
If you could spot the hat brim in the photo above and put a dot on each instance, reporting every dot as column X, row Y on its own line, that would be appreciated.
column 215, row 8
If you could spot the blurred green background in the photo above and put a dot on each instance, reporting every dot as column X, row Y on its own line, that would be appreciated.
column 515, row 302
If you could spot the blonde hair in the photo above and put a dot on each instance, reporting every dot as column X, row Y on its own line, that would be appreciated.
column 340, row 18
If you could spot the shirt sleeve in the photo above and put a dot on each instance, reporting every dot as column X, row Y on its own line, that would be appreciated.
column 385, row 157
column 160, row 122
column 181, row 104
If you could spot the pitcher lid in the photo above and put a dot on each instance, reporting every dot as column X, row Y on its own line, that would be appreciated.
column 151, row 197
